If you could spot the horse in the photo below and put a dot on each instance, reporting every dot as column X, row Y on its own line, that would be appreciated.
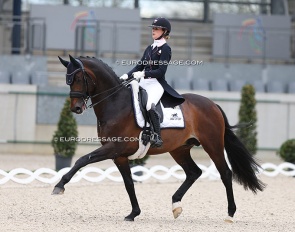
column 205, row 124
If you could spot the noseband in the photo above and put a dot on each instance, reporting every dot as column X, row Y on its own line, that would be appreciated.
column 85, row 96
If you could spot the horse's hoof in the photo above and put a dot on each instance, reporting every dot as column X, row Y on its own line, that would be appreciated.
column 229, row 219
column 177, row 212
column 127, row 219
column 57, row 191
column 176, row 209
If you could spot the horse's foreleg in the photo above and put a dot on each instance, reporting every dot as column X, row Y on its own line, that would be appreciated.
column 193, row 172
column 124, row 168
column 102, row 153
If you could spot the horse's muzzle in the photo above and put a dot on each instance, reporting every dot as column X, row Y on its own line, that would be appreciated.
column 78, row 107
column 77, row 110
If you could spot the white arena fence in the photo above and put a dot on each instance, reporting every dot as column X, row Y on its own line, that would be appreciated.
column 158, row 172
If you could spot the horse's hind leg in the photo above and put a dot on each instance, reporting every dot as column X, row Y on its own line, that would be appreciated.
column 182, row 156
column 216, row 153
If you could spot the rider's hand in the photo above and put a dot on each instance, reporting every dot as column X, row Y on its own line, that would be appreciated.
column 124, row 77
column 138, row 75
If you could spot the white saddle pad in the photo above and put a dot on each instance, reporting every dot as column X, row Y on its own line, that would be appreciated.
column 173, row 117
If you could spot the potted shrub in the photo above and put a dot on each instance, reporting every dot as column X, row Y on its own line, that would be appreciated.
column 287, row 151
column 64, row 140
column 248, row 114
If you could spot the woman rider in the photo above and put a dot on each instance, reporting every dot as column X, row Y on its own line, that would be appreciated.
column 150, row 71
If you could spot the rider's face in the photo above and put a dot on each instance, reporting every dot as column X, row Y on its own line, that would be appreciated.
column 156, row 32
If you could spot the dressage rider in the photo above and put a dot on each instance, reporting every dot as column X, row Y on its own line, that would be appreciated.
column 150, row 71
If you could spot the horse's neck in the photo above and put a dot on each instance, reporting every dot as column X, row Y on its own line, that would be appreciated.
column 113, row 104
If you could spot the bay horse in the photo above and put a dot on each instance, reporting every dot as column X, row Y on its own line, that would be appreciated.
column 205, row 124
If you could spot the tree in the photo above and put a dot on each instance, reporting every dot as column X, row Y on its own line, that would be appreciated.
column 247, row 114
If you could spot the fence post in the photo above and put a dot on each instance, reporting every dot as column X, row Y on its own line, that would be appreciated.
column 16, row 31
column 97, row 38
column 114, row 42
column 190, row 42
column 227, row 46
column 76, row 39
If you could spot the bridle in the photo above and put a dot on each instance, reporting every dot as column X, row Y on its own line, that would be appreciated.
column 85, row 96
column 70, row 79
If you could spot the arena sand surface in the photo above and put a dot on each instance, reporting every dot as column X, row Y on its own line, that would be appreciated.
column 102, row 207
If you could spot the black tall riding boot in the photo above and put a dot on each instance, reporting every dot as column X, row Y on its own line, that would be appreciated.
column 156, row 140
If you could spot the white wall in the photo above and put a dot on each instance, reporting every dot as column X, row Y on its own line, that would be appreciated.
column 276, row 114
column 18, row 117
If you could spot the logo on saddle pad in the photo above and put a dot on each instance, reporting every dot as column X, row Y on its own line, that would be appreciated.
column 175, row 117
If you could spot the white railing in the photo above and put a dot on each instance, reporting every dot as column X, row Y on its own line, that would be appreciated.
column 157, row 172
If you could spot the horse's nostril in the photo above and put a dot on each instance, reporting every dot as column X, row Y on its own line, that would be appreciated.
column 78, row 109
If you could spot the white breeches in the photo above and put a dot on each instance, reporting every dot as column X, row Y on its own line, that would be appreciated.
column 154, row 90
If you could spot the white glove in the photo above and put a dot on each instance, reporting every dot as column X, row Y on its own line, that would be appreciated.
column 138, row 75
column 124, row 77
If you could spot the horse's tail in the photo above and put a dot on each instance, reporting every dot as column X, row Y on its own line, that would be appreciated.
column 244, row 166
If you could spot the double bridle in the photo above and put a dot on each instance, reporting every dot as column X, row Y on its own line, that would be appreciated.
column 85, row 96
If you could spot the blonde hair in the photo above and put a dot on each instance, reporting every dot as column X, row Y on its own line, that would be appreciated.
column 166, row 37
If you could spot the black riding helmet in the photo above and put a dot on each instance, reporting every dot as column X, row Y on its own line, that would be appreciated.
column 162, row 23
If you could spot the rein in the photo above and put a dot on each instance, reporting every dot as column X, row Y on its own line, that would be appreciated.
column 123, row 84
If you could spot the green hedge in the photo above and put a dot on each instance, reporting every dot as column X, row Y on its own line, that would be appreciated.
column 248, row 114
column 287, row 151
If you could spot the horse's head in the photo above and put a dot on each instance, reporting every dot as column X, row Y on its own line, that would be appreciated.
column 81, row 84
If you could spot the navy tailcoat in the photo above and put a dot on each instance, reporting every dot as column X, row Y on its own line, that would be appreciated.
column 154, row 63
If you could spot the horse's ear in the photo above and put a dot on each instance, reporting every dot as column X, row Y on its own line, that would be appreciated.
column 74, row 61
column 64, row 62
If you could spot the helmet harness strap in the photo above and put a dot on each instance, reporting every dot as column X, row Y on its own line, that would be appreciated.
column 163, row 34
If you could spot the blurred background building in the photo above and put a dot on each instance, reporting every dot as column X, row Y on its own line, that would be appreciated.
column 218, row 46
